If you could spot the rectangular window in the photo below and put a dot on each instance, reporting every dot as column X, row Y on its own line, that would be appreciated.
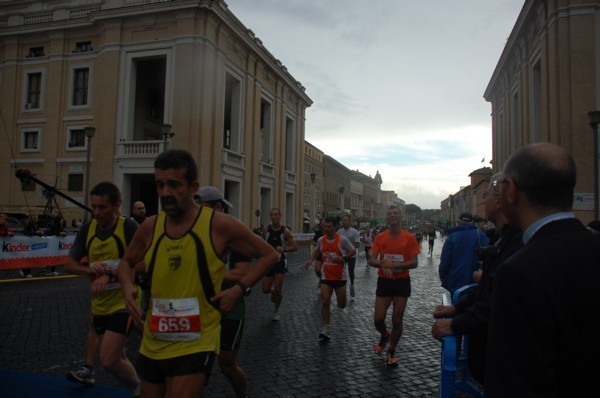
column 35, row 52
column 75, row 182
column 502, row 151
column 227, row 139
column 536, row 103
column 266, row 131
column 232, row 113
column 34, row 90
column 80, row 86
column 290, row 141
column 83, row 46
column 514, row 122
column 76, row 138
column 31, row 140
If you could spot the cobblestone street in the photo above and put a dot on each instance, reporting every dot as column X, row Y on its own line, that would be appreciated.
column 43, row 326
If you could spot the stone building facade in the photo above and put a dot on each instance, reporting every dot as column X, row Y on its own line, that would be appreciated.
column 546, row 81
column 146, row 75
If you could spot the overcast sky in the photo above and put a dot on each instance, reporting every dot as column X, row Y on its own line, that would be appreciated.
column 397, row 85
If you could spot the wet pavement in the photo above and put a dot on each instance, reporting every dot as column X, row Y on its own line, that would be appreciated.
column 43, row 324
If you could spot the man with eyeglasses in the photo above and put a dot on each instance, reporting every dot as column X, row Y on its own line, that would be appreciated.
column 541, row 339
column 470, row 314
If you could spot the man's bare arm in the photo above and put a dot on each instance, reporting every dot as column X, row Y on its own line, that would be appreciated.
column 134, row 255
column 291, row 242
column 229, row 233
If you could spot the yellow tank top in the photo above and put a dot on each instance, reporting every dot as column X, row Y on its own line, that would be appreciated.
column 174, row 266
column 111, row 248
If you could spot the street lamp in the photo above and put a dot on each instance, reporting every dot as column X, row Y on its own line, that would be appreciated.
column 89, row 133
column 313, row 176
column 166, row 134
column 594, row 119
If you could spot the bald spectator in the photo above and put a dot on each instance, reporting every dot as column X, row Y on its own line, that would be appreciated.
column 541, row 340
column 138, row 212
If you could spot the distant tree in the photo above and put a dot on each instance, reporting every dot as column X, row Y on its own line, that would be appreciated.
column 412, row 209
column 413, row 214
column 430, row 215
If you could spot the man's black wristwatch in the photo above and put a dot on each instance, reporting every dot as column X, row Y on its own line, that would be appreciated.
column 247, row 290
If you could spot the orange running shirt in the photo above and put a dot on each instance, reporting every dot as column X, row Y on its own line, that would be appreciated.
column 400, row 248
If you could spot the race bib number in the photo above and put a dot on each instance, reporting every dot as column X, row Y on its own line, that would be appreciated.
column 329, row 258
column 332, row 271
column 396, row 258
column 176, row 319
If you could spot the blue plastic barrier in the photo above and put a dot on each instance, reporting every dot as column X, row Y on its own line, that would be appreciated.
column 454, row 370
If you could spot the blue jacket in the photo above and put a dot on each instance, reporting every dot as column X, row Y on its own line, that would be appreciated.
column 459, row 256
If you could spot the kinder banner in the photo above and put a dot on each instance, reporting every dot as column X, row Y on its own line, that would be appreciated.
column 31, row 252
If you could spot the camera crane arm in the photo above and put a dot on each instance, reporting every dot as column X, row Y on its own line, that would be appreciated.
column 25, row 176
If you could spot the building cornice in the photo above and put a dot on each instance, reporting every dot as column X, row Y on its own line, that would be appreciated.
column 76, row 14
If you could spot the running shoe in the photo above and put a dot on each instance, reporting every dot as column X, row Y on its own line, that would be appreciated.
column 324, row 335
column 391, row 359
column 352, row 293
column 382, row 342
column 82, row 375
column 276, row 317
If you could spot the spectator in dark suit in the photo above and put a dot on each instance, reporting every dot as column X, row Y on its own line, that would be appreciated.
column 541, row 341
column 471, row 313
column 594, row 226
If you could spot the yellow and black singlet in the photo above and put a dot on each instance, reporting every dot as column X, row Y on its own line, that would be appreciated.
column 183, row 273
column 107, row 249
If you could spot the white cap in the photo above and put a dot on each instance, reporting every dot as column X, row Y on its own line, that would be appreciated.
column 210, row 194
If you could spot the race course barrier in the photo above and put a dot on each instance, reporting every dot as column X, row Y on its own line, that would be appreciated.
column 32, row 251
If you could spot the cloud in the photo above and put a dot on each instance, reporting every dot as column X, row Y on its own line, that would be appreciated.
column 422, row 169
column 397, row 86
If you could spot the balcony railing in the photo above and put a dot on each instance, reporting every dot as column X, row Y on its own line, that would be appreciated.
column 267, row 169
column 139, row 149
column 290, row 176
column 233, row 159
